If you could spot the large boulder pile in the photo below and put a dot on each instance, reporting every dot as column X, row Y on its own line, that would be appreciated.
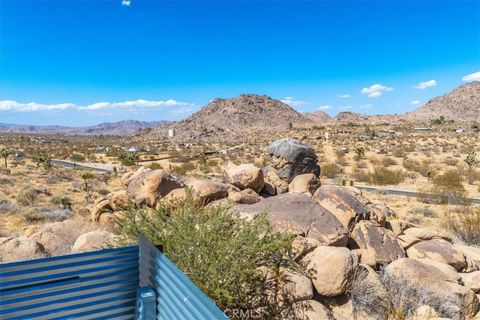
column 290, row 158
column 354, row 259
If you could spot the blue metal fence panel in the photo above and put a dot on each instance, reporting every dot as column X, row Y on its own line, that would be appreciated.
column 177, row 297
column 94, row 285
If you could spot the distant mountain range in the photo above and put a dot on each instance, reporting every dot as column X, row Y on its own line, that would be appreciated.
column 126, row 127
column 250, row 115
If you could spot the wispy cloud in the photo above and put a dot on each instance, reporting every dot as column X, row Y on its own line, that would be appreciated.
column 292, row 102
column 344, row 96
column 345, row 107
column 11, row 105
column 426, row 84
column 366, row 106
column 324, row 107
column 126, row 3
column 472, row 77
column 376, row 90
column 415, row 102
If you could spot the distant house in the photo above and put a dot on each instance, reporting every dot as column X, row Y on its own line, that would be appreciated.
column 171, row 133
column 422, row 129
column 19, row 154
column 460, row 130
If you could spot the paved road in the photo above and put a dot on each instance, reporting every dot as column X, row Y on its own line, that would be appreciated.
column 100, row 167
column 399, row 192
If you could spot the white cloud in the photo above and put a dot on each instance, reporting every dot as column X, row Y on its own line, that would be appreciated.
column 324, row 107
column 126, row 3
column 293, row 103
column 426, row 84
column 366, row 106
column 376, row 90
column 415, row 102
column 345, row 107
column 344, row 96
column 472, row 77
column 10, row 105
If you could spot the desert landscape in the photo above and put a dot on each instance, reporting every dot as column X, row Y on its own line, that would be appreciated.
column 242, row 160
column 380, row 212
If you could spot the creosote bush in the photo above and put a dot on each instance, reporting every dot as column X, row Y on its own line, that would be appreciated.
column 465, row 224
column 222, row 254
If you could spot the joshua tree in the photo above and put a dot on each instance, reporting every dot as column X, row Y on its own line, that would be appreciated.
column 471, row 159
column 4, row 153
column 360, row 152
column 87, row 185
column 43, row 160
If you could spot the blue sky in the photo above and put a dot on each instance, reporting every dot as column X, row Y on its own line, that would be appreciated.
column 85, row 62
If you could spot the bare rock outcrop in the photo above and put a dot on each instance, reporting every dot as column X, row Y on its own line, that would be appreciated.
column 291, row 157
column 330, row 269
column 244, row 176
column 148, row 187
column 93, row 240
column 306, row 183
column 300, row 214
column 376, row 242
column 439, row 250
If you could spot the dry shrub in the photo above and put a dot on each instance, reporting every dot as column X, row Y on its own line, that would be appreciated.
column 384, row 176
column 423, row 167
column 330, row 170
column 387, row 161
column 465, row 224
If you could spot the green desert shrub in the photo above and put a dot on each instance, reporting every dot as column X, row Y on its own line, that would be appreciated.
column 222, row 254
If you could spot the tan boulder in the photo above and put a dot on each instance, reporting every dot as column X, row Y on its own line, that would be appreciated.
column 175, row 196
column 297, row 213
column 93, row 240
column 273, row 183
column 439, row 250
column 129, row 176
column 205, row 190
column 296, row 286
column 330, row 269
column 376, row 241
column 244, row 176
column 303, row 245
column 414, row 280
column 20, row 248
column 53, row 243
column 306, row 183
column 428, row 234
column 100, row 206
column 472, row 255
column 425, row 313
column 312, row 310
column 148, row 187
column 471, row 280
column 346, row 204
column 246, row 196
column 397, row 226
column 118, row 200
column 224, row 203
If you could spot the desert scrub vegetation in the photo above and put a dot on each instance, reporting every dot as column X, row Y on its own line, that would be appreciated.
column 225, row 256
column 330, row 170
column 446, row 188
column 464, row 224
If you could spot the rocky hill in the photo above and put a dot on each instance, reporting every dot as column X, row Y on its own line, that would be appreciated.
column 120, row 128
column 461, row 105
column 318, row 117
column 237, row 118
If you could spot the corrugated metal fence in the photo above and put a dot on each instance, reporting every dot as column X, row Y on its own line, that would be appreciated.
column 177, row 297
column 94, row 285
column 100, row 285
